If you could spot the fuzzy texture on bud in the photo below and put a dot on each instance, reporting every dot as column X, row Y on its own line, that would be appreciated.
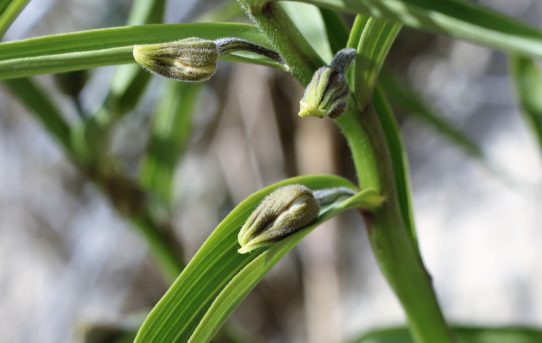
column 283, row 212
column 190, row 59
column 326, row 95
column 327, row 92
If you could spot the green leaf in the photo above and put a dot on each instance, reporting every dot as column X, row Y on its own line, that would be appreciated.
column 227, row 11
column 239, row 287
column 374, row 42
column 102, row 47
column 375, row 39
column 218, row 278
column 463, row 334
column 34, row 98
column 9, row 11
column 336, row 30
column 130, row 81
column 309, row 21
column 456, row 18
column 398, row 158
column 410, row 102
column 528, row 83
column 171, row 130
column 3, row 5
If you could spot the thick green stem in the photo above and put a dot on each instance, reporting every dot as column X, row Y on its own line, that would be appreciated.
column 392, row 245
column 388, row 227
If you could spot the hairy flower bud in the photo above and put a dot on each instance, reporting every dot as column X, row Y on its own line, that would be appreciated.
column 326, row 95
column 190, row 59
column 327, row 92
column 283, row 212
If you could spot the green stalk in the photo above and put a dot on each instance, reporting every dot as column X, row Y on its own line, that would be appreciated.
column 364, row 128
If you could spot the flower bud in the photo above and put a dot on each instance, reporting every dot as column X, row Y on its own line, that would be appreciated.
column 283, row 212
column 326, row 95
column 190, row 59
column 327, row 92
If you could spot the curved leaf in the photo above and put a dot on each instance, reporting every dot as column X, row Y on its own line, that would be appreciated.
column 239, row 287
column 528, row 83
column 456, row 18
column 103, row 47
column 218, row 278
column 9, row 10
column 463, row 334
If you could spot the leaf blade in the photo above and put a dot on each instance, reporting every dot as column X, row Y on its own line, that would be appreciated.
column 103, row 47
column 466, row 334
column 528, row 85
column 166, row 323
column 455, row 18
column 171, row 131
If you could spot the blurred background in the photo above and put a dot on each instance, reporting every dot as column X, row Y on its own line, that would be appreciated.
column 69, row 263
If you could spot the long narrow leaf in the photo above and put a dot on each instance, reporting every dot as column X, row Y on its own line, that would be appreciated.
column 410, row 102
column 375, row 39
column 373, row 46
column 9, row 12
column 463, row 334
column 171, row 131
column 38, row 102
column 336, row 30
column 308, row 20
column 95, row 48
column 399, row 159
column 528, row 83
column 207, row 283
column 456, row 18
column 130, row 81
column 239, row 287
column 3, row 5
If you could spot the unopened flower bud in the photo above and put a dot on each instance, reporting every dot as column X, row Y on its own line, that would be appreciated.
column 283, row 212
column 326, row 95
column 327, row 92
column 190, row 59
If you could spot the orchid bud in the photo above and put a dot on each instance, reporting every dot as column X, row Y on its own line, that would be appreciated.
column 327, row 92
column 283, row 212
column 325, row 96
column 190, row 59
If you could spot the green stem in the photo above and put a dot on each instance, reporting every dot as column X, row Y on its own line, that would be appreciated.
column 388, row 227
column 392, row 245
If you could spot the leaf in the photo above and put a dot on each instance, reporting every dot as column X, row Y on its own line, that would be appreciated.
column 373, row 39
column 9, row 11
column 464, row 334
column 528, row 84
column 309, row 21
column 374, row 42
column 456, row 18
column 399, row 160
column 130, row 81
column 38, row 102
column 410, row 102
column 3, row 5
column 171, row 130
column 336, row 30
column 102, row 47
column 218, row 278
